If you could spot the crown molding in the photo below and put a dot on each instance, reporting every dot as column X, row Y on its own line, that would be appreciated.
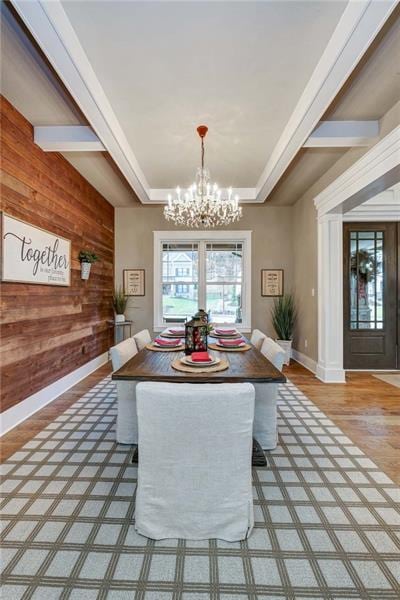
column 160, row 195
column 357, row 28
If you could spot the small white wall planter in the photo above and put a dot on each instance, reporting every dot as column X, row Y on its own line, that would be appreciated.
column 85, row 270
column 286, row 346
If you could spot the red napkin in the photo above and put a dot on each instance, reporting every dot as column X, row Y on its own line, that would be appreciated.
column 201, row 357
column 176, row 331
column 231, row 342
column 225, row 331
column 164, row 342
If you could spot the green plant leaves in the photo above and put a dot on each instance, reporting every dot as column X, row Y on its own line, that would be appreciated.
column 284, row 317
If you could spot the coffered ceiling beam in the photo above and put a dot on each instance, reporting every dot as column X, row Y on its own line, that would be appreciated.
column 358, row 26
column 68, row 138
column 343, row 134
column 51, row 28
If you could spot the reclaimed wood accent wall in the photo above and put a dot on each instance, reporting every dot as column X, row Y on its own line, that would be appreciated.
column 48, row 331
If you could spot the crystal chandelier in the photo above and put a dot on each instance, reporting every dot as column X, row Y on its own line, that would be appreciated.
column 202, row 204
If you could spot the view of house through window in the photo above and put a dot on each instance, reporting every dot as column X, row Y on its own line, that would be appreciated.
column 202, row 274
column 180, row 281
column 224, row 281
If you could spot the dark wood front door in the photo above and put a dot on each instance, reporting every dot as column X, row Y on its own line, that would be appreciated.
column 370, row 295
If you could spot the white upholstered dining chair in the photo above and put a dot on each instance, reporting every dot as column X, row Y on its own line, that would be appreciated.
column 126, row 432
column 122, row 352
column 265, row 428
column 273, row 352
column 142, row 338
column 257, row 338
column 195, row 449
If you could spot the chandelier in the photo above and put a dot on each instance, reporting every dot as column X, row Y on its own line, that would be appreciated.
column 203, row 203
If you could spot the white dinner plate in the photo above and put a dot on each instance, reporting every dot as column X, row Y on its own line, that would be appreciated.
column 239, row 345
column 178, row 343
column 168, row 334
column 187, row 360
column 231, row 336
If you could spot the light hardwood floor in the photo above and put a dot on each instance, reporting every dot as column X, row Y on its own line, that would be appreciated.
column 365, row 408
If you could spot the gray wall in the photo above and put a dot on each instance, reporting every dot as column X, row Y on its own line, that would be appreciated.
column 271, row 248
column 305, row 234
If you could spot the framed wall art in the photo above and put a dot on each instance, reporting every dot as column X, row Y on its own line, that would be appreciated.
column 134, row 282
column 31, row 254
column 271, row 282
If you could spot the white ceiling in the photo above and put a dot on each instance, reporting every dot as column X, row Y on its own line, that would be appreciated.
column 166, row 67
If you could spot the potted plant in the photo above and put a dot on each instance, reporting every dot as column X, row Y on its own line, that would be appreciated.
column 86, row 258
column 119, row 302
column 283, row 320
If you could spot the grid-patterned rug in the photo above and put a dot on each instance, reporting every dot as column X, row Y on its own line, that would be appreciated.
column 327, row 519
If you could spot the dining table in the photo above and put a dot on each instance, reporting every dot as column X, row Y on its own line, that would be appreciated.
column 249, row 366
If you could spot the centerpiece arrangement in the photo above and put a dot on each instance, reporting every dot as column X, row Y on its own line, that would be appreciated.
column 196, row 333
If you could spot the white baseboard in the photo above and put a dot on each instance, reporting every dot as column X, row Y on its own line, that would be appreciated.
column 304, row 360
column 16, row 414
column 329, row 375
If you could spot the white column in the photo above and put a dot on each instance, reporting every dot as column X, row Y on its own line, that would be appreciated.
column 330, row 299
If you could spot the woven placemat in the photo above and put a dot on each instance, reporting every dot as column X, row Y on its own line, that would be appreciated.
column 178, row 366
column 165, row 348
column 224, row 349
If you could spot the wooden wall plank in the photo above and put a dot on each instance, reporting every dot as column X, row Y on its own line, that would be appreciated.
column 47, row 331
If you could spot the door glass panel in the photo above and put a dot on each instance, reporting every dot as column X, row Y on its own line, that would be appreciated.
column 366, row 280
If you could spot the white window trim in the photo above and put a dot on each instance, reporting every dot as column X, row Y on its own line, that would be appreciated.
column 161, row 237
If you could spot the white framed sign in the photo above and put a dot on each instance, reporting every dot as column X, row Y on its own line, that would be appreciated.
column 33, row 255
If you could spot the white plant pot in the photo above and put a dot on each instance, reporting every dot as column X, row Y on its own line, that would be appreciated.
column 85, row 270
column 119, row 318
column 286, row 346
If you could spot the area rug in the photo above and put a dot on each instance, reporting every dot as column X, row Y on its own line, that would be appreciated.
column 391, row 378
column 327, row 519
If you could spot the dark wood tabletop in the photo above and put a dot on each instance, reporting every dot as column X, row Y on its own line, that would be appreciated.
column 249, row 366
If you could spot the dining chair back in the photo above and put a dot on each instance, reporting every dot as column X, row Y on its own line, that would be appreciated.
column 142, row 338
column 257, row 338
column 122, row 352
column 273, row 352
column 126, row 429
column 194, row 472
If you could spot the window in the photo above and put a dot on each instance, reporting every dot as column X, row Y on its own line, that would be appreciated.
column 210, row 270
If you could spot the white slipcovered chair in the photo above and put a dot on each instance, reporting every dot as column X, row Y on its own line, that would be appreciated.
column 122, row 352
column 142, row 338
column 273, row 352
column 265, row 428
column 257, row 338
column 126, row 394
column 194, row 472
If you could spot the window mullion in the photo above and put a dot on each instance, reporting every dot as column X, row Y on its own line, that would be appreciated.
column 202, row 275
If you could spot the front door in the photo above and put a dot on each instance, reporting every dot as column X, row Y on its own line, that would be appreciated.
column 370, row 295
